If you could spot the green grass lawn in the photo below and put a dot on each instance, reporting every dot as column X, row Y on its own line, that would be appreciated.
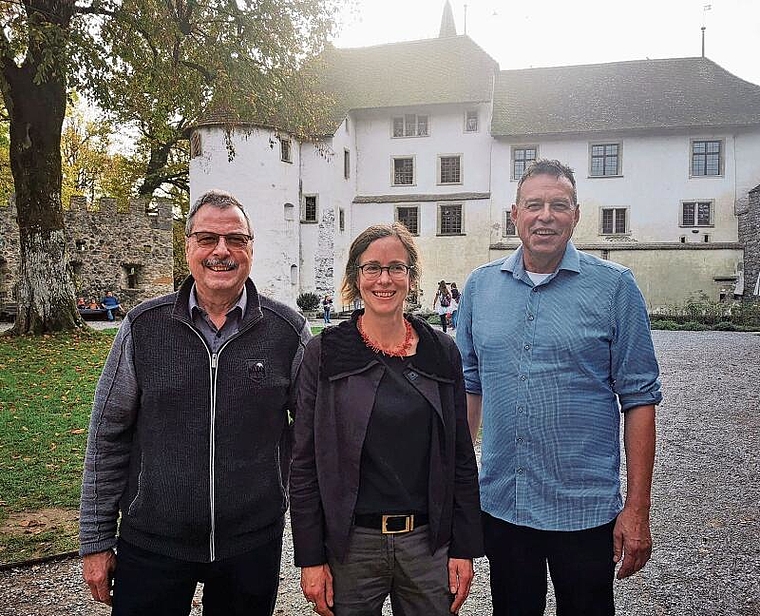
column 46, row 389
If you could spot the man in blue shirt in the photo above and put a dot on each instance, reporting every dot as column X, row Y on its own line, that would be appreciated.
column 555, row 345
column 110, row 304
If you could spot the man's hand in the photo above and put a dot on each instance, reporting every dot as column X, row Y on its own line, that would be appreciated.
column 632, row 540
column 317, row 587
column 98, row 570
column 461, row 574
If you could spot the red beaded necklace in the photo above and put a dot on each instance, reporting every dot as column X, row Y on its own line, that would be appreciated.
column 399, row 351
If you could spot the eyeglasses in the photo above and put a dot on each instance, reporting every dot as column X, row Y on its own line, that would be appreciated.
column 397, row 271
column 207, row 239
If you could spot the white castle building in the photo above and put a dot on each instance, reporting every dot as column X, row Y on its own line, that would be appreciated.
column 431, row 133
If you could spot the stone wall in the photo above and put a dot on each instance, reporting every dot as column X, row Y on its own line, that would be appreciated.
column 749, row 235
column 127, row 250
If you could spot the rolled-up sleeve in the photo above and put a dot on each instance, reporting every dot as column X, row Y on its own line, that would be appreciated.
column 634, row 367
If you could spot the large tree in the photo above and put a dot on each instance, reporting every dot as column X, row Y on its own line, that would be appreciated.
column 156, row 63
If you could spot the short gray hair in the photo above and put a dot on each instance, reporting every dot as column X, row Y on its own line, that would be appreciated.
column 219, row 199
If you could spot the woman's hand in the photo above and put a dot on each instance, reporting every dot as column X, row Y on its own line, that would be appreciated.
column 461, row 574
column 317, row 587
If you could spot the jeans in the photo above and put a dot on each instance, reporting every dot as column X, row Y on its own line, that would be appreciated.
column 327, row 315
column 150, row 584
column 580, row 565
column 377, row 565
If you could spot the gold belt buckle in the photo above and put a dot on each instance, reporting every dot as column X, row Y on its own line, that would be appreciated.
column 408, row 524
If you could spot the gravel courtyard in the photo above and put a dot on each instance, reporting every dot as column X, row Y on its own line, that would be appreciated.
column 706, row 501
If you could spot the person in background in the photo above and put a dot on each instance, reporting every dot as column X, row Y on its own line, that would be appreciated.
column 556, row 346
column 441, row 303
column 327, row 308
column 189, row 441
column 81, row 304
column 111, row 305
column 384, row 493
column 454, row 304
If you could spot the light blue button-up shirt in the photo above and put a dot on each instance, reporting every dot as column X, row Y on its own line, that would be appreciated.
column 555, row 364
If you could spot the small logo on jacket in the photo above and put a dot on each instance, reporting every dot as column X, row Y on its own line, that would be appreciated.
column 257, row 369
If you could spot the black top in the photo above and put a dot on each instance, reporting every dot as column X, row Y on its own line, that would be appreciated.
column 395, row 461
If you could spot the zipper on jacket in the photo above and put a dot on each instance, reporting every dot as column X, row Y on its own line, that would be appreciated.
column 211, row 452
column 213, row 365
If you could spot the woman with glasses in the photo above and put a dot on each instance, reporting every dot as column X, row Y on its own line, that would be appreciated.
column 384, row 492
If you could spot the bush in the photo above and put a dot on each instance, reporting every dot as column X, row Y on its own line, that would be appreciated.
column 695, row 326
column 725, row 326
column 308, row 301
column 665, row 324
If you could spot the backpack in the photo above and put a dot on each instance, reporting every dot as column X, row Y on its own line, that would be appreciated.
column 445, row 301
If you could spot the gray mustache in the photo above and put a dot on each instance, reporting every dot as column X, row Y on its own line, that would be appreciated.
column 219, row 262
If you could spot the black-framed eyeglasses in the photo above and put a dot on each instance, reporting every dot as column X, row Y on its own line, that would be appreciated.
column 207, row 239
column 397, row 271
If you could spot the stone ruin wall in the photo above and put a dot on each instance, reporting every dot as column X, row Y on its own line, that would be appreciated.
column 127, row 250
column 749, row 236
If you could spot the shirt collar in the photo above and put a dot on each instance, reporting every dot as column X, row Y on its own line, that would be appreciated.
column 242, row 302
column 571, row 261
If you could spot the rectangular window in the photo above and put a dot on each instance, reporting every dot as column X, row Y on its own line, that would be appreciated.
column 471, row 121
column 403, row 171
column 697, row 214
column 521, row 158
column 450, row 169
column 409, row 216
column 614, row 220
column 309, row 208
column 410, row 125
column 346, row 164
column 605, row 160
column 706, row 158
column 508, row 227
column 341, row 219
column 285, row 154
column 450, row 219
column 196, row 146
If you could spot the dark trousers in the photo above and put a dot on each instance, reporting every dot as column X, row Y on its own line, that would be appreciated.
column 149, row 584
column 378, row 565
column 580, row 564
column 444, row 321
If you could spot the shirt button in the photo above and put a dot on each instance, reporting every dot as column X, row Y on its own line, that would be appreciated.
column 535, row 289
column 530, row 317
column 519, row 439
column 527, row 347
column 520, row 409
column 519, row 471
column 523, row 377
column 412, row 376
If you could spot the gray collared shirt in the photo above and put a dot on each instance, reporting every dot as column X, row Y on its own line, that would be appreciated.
column 216, row 337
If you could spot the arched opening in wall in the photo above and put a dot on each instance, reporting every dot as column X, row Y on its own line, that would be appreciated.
column 76, row 275
column 132, row 275
column 289, row 211
column 294, row 274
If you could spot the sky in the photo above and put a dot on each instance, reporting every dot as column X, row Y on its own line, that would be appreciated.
column 565, row 32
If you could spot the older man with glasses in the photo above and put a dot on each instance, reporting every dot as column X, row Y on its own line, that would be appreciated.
column 188, row 448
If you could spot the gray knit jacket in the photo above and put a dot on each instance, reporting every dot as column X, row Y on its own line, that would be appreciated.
column 192, row 449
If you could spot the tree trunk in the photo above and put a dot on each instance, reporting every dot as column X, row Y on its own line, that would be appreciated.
column 155, row 172
column 45, row 289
